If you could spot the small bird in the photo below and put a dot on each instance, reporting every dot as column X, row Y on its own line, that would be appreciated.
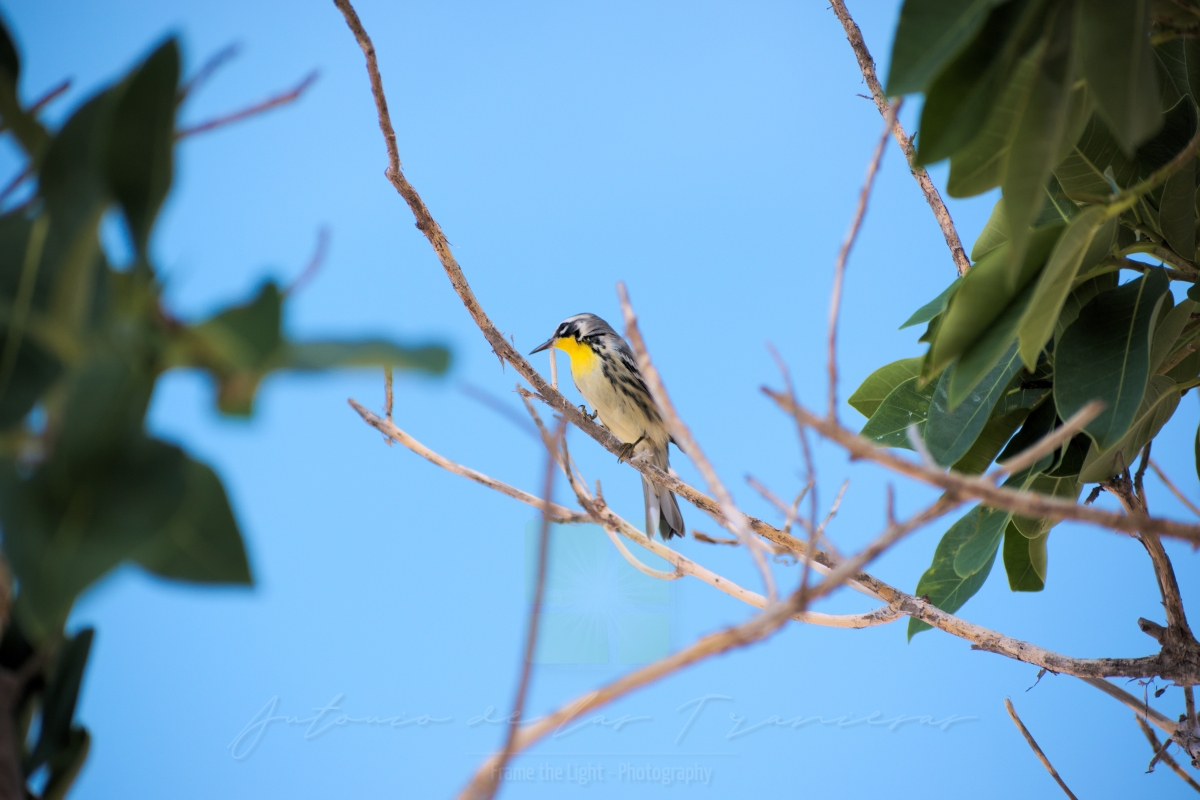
column 606, row 374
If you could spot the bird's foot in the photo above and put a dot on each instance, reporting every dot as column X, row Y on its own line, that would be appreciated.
column 592, row 416
column 625, row 451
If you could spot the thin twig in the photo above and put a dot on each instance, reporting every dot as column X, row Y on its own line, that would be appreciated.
column 535, row 610
column 209, row 68
column 314, row 263
column 867, row 66
column 254, row 110
column 1012, row 712
column 704, row 537
column 688, row 444
column 839, row 269
column 1162, row 754
column 1162, row 476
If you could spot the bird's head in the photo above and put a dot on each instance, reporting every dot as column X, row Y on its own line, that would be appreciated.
column 574, row 331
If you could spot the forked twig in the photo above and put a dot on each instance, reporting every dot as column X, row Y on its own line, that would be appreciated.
column 1012, row 712
column 1161, row 754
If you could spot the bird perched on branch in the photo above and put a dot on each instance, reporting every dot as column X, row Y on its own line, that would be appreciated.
column 606, row 374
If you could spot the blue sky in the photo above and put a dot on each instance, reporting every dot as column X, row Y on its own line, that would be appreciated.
column 709, row 155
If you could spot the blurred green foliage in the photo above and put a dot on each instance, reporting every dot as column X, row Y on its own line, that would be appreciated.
column 1084, row 113
column 83, row 486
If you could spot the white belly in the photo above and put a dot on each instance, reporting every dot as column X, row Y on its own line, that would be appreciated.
column 619, row 413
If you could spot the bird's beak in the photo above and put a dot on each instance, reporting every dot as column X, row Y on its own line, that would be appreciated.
column 545, row 345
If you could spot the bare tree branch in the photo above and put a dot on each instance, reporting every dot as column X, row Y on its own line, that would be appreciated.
column 1030, row 504
column 867, row 65
column 1012, row 712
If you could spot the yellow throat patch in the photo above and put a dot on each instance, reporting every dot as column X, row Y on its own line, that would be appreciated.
column 583, row 358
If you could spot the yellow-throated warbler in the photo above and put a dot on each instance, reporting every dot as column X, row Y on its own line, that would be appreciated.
column 606, row 374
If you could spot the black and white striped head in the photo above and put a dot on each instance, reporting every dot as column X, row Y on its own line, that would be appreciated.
column 580, row 328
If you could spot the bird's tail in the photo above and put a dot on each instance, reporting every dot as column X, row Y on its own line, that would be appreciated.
column 662, row 509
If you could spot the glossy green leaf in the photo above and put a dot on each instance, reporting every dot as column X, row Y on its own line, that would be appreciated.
column 1069, row 460
column 931, row 32
column 1079, row 297
column 1118, row 63
column 961, row 97
column 1063, row 487
column 1105, row 355
column 201, row 541
column 991, row 440
column 1177, row 212
column 1081, row 172
column 931, row 309
column 951, row 430
column 979, row 548
column 1055, row 281
column 1040, row 421
column 1024, row 561
column 880, row 383
column 1168, row 330
column 979, row 164
column 139, row 160
column 1187, row 369
column 995, row 347
column 1038, row 135
column 906, row 405
column 984, row 294
column 1158, row 404
column 944, row 587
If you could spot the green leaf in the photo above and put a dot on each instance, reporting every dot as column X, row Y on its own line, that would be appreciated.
column 65, row 764
column 961, row 97
column 906, row 405
column 1177, row 212
column 1159, row 403
column 1168, row 330
column 1196, row 446
column 979, row 548
column 951, row 430
column 60, row 534
column 1040, row 421
column 1105, row 355
column 1118, row 63
column 944, row 587
column 1039, row 134
column 1081, row 172
column 1061, row 487
column 10, row 60
column 1180, row 58
column 994, row 233
column 930, row 33
column 931, row 309
column 1054, row 283
column 1080, row 297
column 984, row 294
column 60, row 699
column 996, row 432
column 201, row 541
column 880, row 383
column 139, row 158
column 309, row 356
column 996, row 346
column 1187, row 369
column 1024, row 561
